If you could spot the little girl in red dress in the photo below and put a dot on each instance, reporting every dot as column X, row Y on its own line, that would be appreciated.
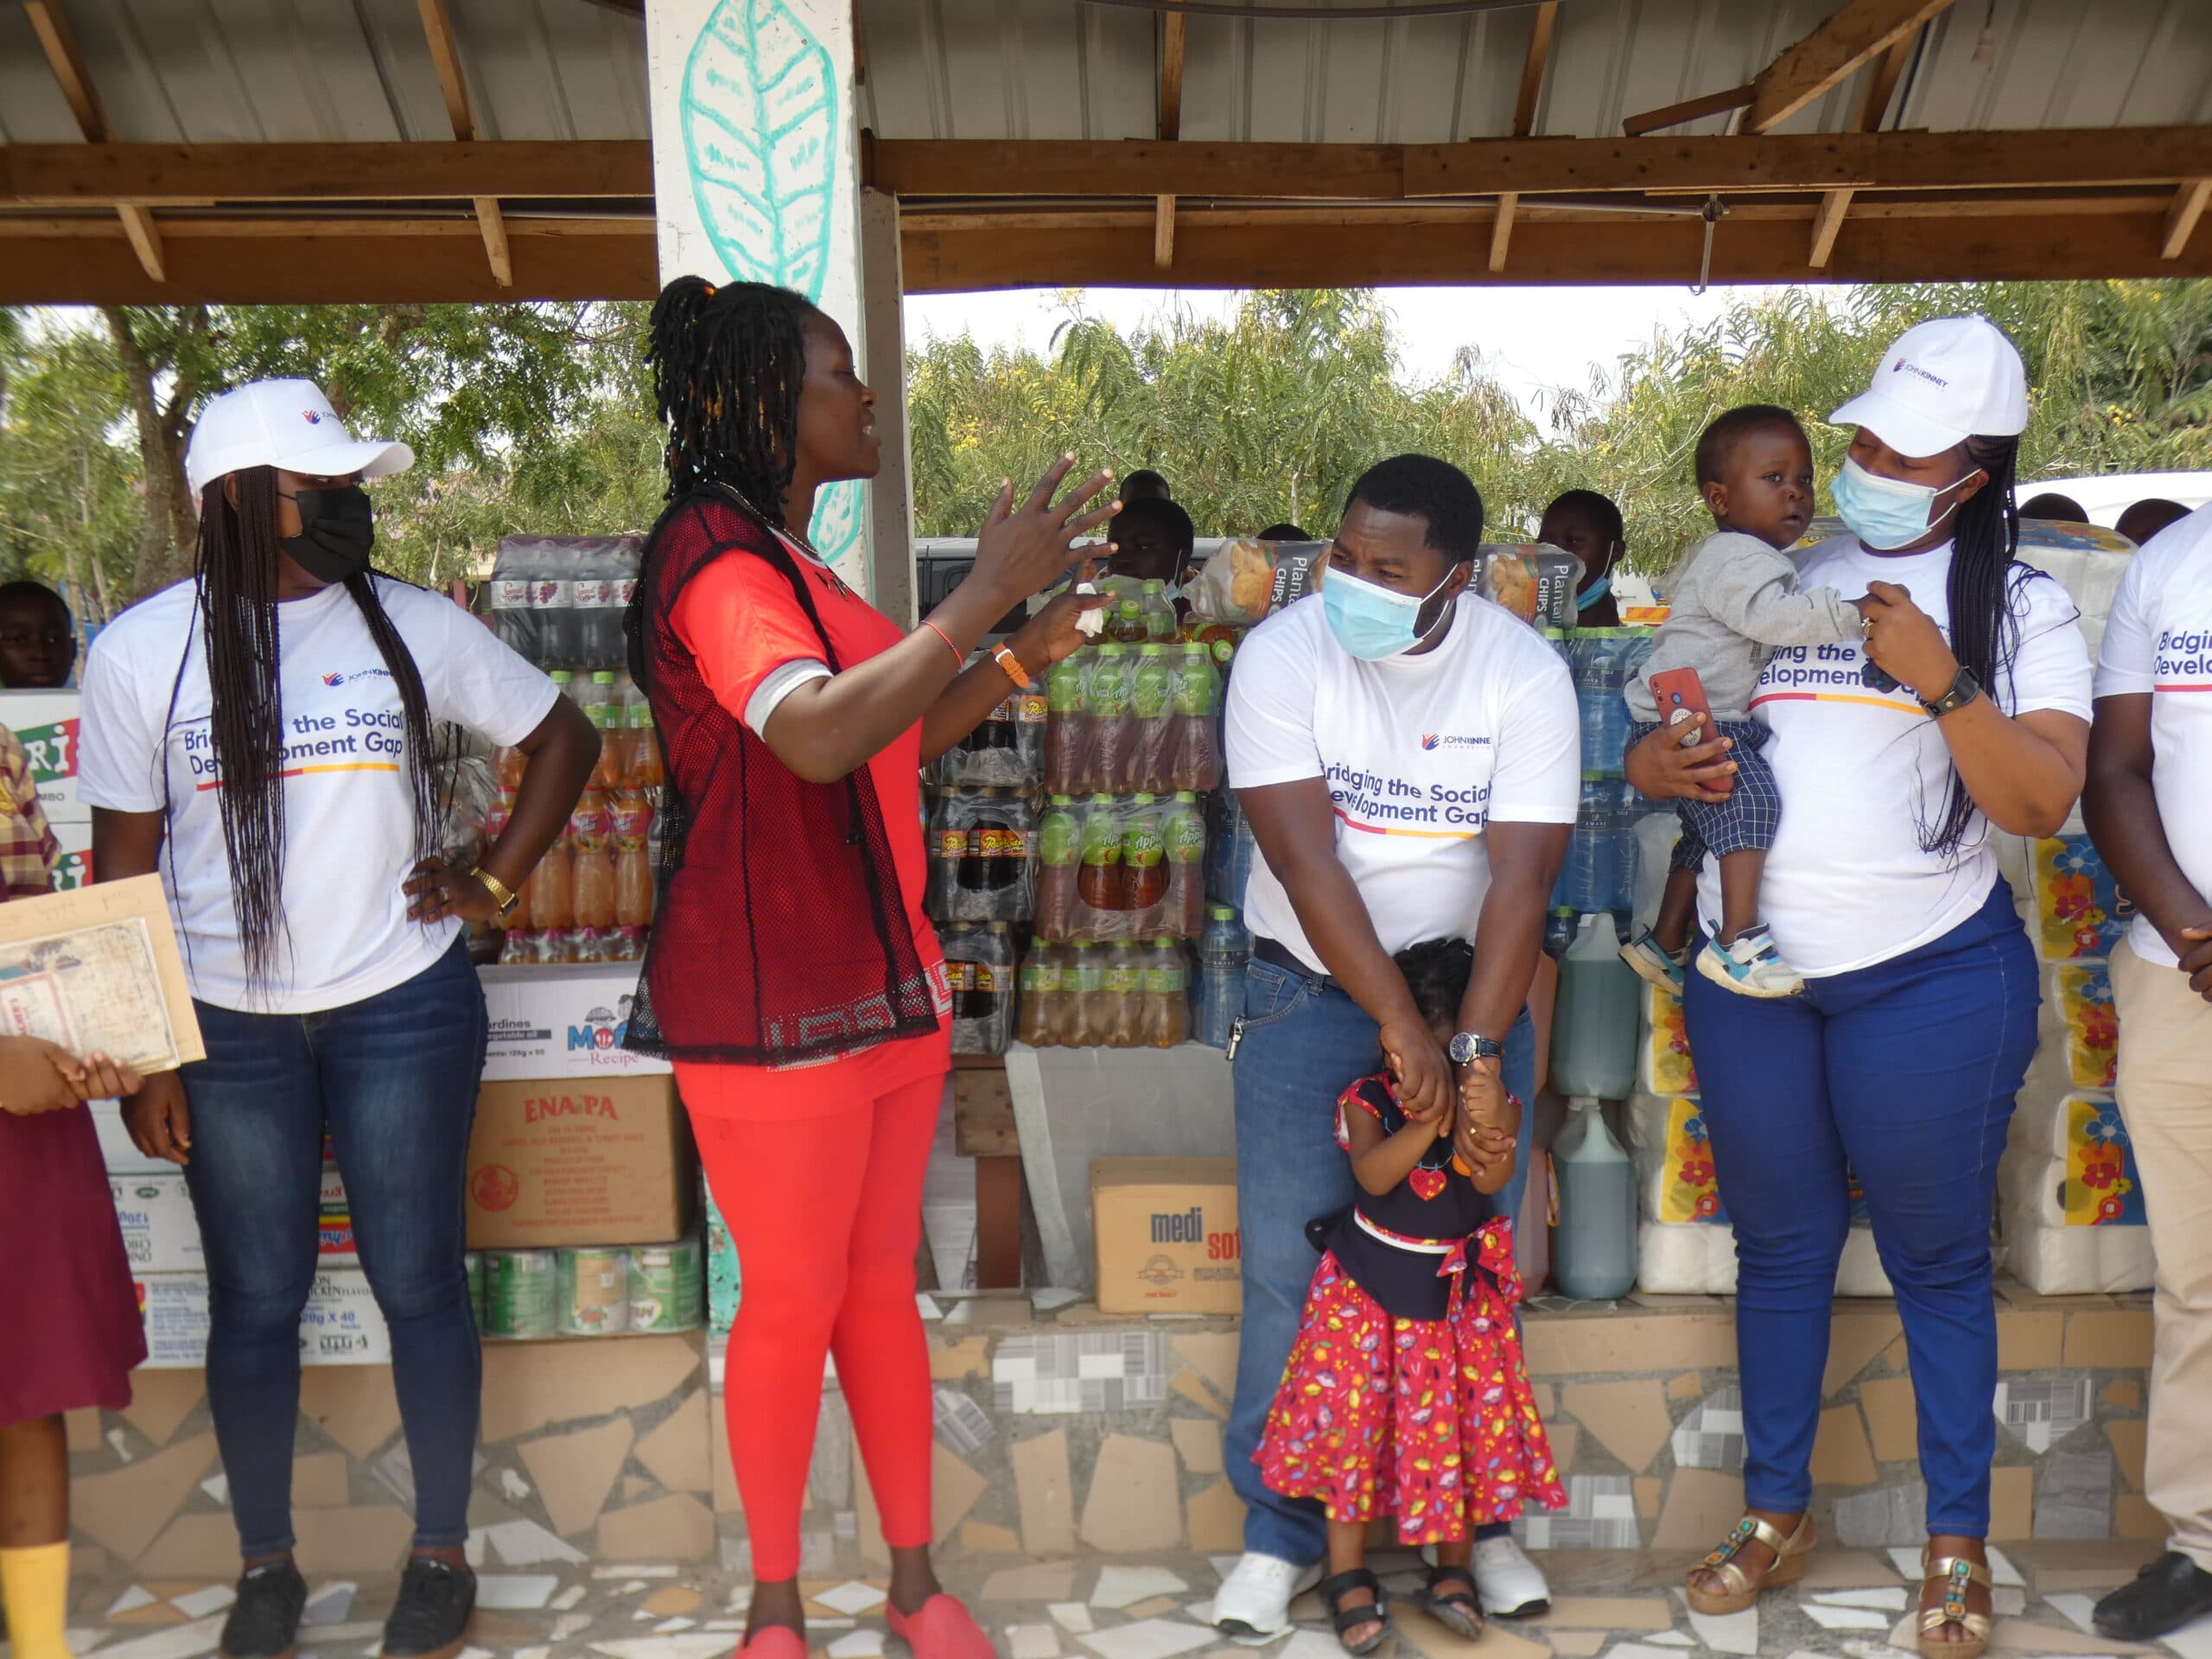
column 1406, row 1395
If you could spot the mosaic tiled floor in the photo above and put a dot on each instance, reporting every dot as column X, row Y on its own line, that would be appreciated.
column 1855, row 1604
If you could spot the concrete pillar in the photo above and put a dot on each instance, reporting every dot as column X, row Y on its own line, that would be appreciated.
column 756, row 173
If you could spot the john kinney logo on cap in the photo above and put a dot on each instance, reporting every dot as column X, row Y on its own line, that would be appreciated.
column 313, row 418
column 1915, row 368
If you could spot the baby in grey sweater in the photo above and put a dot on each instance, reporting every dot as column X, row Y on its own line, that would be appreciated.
column 1735, row 598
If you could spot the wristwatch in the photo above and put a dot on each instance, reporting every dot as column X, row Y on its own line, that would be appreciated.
column 1964, row 688
column 505, row 897
column 1466, row 1048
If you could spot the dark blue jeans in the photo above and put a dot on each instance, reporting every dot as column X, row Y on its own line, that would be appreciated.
column 1905, row 1072
column 1303, row 1042
column 395, row 1078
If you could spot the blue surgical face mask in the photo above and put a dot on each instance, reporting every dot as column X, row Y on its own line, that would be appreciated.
column 1371, row 621
column 1887, row 512
column 1595, row 592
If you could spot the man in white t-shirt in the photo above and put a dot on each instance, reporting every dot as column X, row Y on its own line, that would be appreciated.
column 2149, row 807
column 1407, row 755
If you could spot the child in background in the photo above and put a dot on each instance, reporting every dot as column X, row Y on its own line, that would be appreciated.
column 1405, row 1394
column 38, row 638
column 1735, row 599
column 1589, row 526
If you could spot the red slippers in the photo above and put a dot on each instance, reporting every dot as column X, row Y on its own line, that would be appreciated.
column 942, row 1630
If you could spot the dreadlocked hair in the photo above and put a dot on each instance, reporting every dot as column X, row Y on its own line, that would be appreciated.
column 727, row 361
column 1986, row 578
column 235, row 575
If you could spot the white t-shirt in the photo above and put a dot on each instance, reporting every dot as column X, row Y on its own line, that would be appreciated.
column 1420, row 753
column 349, row 816
column 1862, row 773
column 2159, row 641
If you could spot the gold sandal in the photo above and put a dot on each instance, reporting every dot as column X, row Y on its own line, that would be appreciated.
column 1956, row 1573
column 1788, row 1568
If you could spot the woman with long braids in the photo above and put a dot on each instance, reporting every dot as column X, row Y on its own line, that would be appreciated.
column 792, row 974
column 1966, row 710
column 261, row 734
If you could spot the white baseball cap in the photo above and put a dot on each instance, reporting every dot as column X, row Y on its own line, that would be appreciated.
column 287, row 424
column 1946, row 381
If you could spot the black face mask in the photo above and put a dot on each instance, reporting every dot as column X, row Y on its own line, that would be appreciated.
column 336, row 530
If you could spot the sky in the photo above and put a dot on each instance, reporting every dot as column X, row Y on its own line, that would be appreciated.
column 1531, row 339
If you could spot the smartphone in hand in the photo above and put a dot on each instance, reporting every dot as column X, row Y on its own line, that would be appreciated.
column 1680, row 695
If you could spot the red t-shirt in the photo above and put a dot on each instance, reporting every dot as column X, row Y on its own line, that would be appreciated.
column 740, row 620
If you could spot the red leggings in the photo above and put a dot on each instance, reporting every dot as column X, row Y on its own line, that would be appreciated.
column 826, row 1213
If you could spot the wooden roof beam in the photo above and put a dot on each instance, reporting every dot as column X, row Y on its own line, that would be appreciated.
column 1690, row 109
column 62, row 56
column 1881, row 87
column 1855, row 32
column 1174, row 30
column 2188, row 206
column 107, row 175
column 1524, row 120
column 1740, row 166
column 445, row 54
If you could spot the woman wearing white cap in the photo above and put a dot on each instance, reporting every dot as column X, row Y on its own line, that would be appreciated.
column 1967, row 709
column 270, row 721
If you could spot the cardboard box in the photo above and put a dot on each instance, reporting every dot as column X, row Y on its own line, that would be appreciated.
column 341, row 1325
column 562, row 1021
column 599, row 1161
column 1166, row 1233
column 74, row 868
column 45, row 722
column 161, row 1233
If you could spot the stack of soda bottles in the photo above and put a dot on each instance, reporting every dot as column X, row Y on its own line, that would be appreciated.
column 559, row 601
column 1132, row 748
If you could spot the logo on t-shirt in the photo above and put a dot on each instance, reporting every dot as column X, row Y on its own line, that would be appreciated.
column 358, row 674
column 1449, row 740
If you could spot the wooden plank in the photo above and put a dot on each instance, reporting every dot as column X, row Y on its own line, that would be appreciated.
column 60, row 45
column 2181, row 220
column 100, row 174
column 300, row 267
column 1855, row 32
column 452, row 84
column 1524, row 120
column 983, row 1116
column 1689, row 109
column 1087, row 169
column 1175, row 27
column 1287, row 253
column 1881, row 85
column 998, row 1224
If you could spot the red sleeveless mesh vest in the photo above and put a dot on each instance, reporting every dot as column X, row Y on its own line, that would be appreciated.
column 780, row 934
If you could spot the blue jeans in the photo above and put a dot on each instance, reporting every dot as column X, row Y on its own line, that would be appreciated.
column 1905, row 1072
column 395, row 1078
column 1303, row 1043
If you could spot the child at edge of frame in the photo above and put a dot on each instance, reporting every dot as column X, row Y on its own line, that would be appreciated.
column 1406, row 1395
column 1735, row 599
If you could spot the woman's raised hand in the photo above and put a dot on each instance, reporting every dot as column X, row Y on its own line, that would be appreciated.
column 1021, row 549
column 1904, row 642
column 1661, row 767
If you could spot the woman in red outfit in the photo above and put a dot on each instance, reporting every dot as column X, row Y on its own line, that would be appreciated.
column 791, row 976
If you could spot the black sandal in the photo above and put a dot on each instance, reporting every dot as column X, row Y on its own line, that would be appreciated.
column 1459, row 1611
column 1376, row 1613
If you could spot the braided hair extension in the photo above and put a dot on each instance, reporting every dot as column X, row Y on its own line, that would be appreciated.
column 728, row 362
column 235, row 575
column 1985, row 626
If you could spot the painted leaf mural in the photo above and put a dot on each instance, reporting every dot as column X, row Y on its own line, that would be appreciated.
column 761, row 113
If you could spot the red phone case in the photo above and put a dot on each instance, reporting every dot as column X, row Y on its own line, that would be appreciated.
column 1679, row 693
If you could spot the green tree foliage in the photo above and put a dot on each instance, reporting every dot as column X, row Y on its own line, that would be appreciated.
column 537, row 418
column 1272, row 414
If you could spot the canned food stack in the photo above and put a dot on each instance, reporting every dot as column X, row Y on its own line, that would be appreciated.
column 586, row 1291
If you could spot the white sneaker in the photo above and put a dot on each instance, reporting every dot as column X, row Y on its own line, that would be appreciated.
column 1751, row 967
column 1510, row 1584
column 1253, row 1600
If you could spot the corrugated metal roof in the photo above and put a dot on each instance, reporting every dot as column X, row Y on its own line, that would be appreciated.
column 272, row 71
column 328, row 71
column 1063, row 69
